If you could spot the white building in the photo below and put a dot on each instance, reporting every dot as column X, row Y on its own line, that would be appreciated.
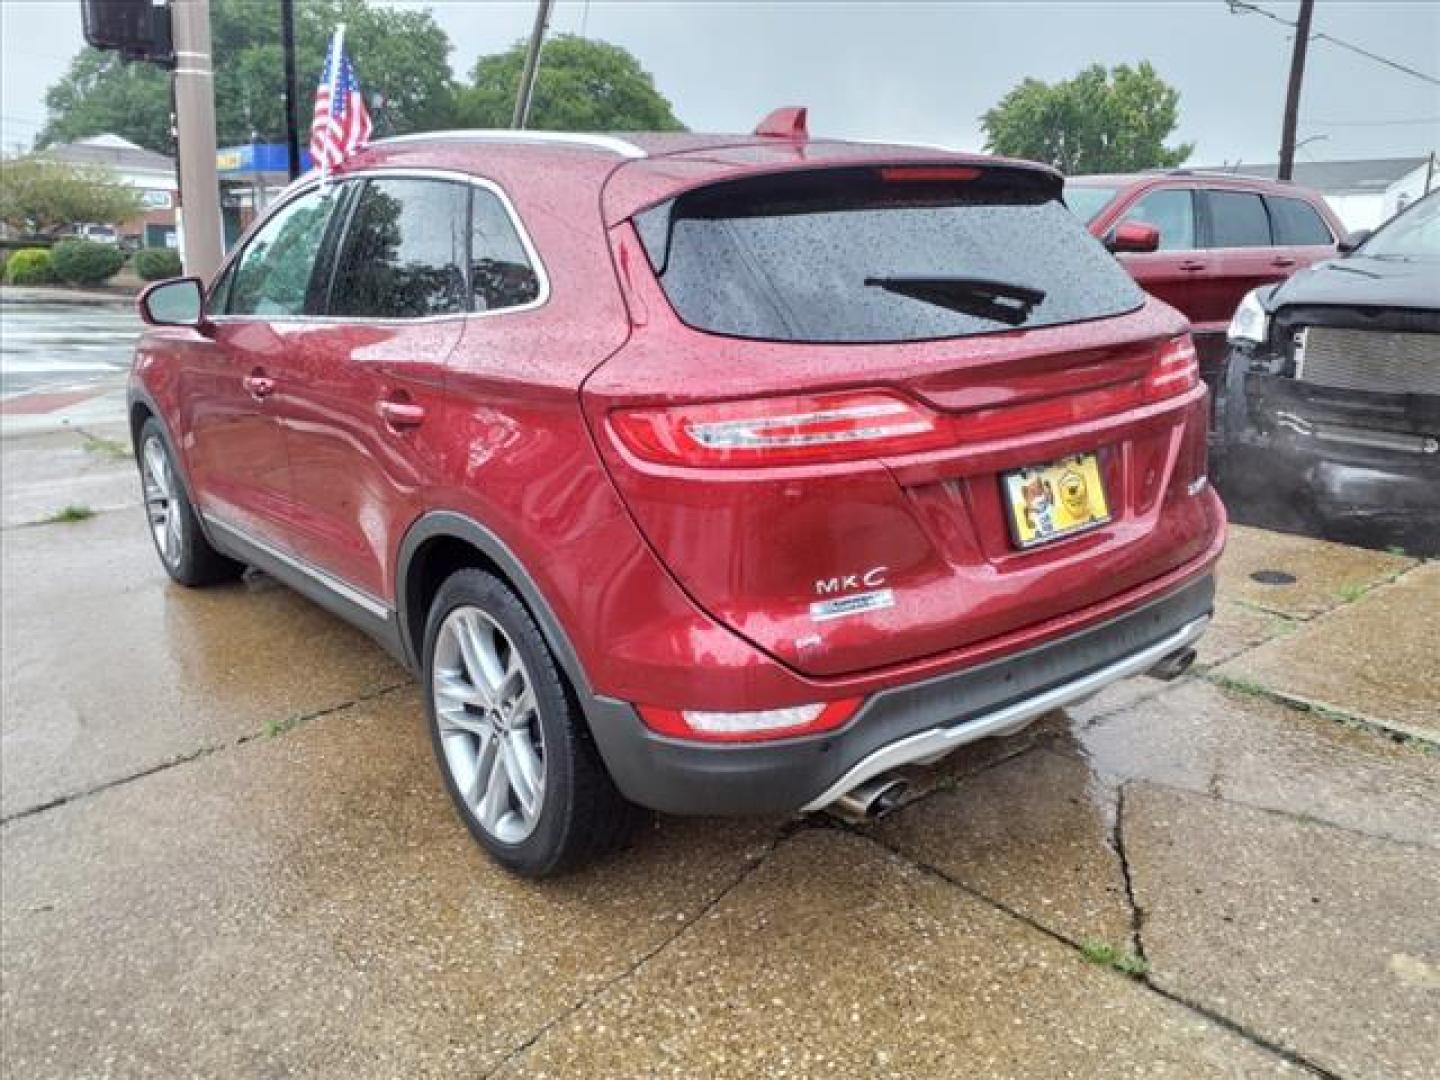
column 153, row 174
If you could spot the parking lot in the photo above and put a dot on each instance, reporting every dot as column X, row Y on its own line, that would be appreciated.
column 226, row 851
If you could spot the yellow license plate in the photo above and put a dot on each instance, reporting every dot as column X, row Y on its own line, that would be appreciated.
column 1047, row 502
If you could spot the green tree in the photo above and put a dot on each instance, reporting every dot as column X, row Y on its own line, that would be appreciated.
column 583, row 85
column 40, row 198
column 400, row 55
column 1099, row 121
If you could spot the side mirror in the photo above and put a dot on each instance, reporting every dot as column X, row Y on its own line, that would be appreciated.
column 177, row 302
column 1353, row 240
column 1134, row 236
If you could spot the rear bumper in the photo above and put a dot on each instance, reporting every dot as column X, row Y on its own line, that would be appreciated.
column 918, row 721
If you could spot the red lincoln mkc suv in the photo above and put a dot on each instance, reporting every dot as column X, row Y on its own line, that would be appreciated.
column 711, row 474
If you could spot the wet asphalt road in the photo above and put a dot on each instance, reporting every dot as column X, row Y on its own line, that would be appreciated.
column 47, row 345
column 225, row 852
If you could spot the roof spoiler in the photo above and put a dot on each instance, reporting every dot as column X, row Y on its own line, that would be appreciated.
column 785, row 123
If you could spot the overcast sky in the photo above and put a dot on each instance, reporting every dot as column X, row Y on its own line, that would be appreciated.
column 926, row 71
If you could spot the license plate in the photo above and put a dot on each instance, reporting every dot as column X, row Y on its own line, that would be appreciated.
column 1047, row 502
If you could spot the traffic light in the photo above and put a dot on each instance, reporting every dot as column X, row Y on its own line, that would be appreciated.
column 137, row 29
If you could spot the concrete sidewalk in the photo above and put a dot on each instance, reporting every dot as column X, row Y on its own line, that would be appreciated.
column 225, row 851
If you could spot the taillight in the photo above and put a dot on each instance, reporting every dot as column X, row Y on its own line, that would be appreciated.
column 860, row 424
column 777, row 431
column 921, row 173
column 749, row 726
column 1175, row 370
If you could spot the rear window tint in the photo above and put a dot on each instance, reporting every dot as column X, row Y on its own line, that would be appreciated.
column 1296, row 222
column 1238, row 219
column 847, row 255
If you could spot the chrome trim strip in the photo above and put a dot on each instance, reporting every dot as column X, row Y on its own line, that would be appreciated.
column 311, row 181
column 358, row 597
column 937, row 742
column 571, row 138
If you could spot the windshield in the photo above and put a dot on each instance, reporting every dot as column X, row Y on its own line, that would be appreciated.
column 1086, row 201
column 880, row 255
column 1414, row 234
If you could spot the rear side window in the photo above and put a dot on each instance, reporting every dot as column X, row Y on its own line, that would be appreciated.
column 880, row 255
column 500, row 272
column 404, row 251
column 1296, row 223
column 1237, row 220
column 1172, row 211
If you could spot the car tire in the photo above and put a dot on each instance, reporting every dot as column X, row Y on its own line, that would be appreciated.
column 184, row 550
column 512, row 744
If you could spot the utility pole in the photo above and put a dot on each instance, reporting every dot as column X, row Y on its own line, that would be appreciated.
column 292, row 125
column 1292, row 93
column 195, row 127
column 532, row 66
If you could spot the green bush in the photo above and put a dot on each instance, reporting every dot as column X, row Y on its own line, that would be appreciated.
column 84, row 262
column 156, row 264
column 29, row 266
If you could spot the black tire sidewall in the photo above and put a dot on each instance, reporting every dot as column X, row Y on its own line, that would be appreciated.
column 183, row 569
column 545, row 848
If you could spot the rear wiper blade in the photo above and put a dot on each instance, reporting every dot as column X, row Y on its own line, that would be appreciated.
column 1005, row 302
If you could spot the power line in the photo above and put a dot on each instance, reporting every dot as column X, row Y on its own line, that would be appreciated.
column 1244, row 7
column 1375, row 123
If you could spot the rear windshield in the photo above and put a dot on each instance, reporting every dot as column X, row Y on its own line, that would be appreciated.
column 880, row 255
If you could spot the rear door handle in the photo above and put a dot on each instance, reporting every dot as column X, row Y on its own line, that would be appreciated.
column 1282, row 261
column 1192, row 264
column 258, row 385
column 402, row 414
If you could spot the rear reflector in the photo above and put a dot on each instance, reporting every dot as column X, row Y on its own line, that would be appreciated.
column 749, row 726
column 779, row 431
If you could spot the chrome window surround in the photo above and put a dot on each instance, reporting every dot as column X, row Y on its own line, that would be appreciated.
column 563, row 138
column 311, row 183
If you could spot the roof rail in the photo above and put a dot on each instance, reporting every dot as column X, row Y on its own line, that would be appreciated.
column 1220, row 173
column 569, row 138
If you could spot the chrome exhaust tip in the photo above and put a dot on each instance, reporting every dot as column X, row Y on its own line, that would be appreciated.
column 1173, row 666
column 871, row 800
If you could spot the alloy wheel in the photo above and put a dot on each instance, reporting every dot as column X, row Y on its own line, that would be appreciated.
column 489, row 723
column 160, row 507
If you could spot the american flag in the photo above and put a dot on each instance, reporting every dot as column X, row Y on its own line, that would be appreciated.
column 341, row 124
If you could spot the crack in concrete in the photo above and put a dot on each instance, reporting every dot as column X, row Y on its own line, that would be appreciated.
column 1403, row 734
column 1117, row 841
column 782, row 834
column 1285, row 1053
column 268, row 732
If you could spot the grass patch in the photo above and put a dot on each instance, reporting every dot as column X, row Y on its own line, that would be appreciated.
column 110, row 449
column 1106, row 955
column 1242, row 686
column 1352, row 591
column 279, row 727
column 69, row 516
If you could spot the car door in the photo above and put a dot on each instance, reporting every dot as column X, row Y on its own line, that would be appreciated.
column 231, row 401
column 1175, row 271
column 1301, row 234
column 362, row 386
column 1240, row 241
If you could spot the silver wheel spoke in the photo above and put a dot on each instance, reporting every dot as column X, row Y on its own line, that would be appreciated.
column 526, row 772
column 159, row 487
column 487, row 762
column 472, row 647
column 495, row 803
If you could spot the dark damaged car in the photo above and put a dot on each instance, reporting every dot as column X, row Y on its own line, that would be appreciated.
column 1332, row 391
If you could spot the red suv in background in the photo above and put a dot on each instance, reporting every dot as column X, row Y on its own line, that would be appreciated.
column 1220, row 235
column 715, row 474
